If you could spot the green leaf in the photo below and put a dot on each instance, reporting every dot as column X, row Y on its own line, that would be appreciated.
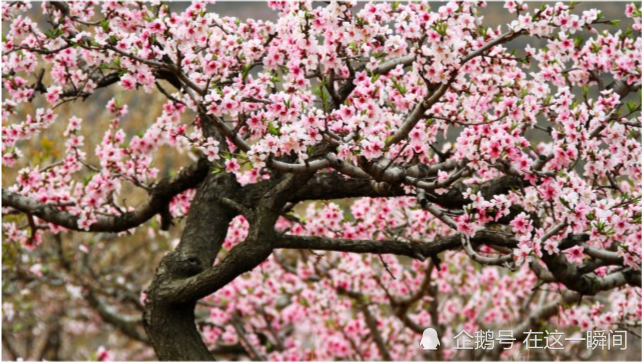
column 591, row 216
column 564, row 202
column 320, row 91
column 246, row 71
column 440, row 28
column 399, row 86
column 577, row 41
column 272, row 129
column 53, row 33
column 631, row 106
column 547, row 100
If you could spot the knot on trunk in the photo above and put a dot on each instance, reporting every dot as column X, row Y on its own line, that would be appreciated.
column 179, row 265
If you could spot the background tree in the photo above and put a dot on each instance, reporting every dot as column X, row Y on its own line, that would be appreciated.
column 479, row 188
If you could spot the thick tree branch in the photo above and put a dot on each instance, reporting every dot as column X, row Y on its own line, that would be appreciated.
column 634, row 278
column 585, row 284
column 241, row 259
column 333, row 185
column 169, row 323
column 161, row 195
column 485, row 260
column 416, row 250
column 609, row 257
column 61, row 6
column 208, row 219
column 245, row 256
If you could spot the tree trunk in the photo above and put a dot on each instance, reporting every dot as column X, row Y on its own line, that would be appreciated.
column 171, row 326
column 172, row 331
column 187, row 274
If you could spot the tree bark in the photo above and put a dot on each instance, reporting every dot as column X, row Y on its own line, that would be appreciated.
column 171, row 326
column 172, row 331
column 186, row 274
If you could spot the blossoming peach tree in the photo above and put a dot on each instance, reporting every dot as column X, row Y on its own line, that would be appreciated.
column 488, row 188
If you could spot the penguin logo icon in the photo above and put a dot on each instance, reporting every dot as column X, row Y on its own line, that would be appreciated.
column 430, row 339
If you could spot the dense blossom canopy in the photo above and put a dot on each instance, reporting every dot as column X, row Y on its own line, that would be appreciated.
column 492, row 189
